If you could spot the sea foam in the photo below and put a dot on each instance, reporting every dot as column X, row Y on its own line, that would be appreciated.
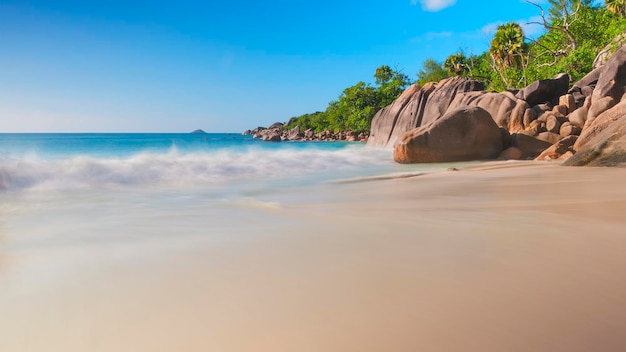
column 174, row 168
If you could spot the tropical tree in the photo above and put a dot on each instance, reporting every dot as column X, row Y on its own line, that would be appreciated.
column 391, row 83
column 558, row 9
column 618, row 7
column 456, row 64
column 508, row 47
column 431, row 71
column 357, row 105
column 594, row 27
column 383, row 74
column 562, row 14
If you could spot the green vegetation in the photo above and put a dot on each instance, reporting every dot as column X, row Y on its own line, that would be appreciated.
column 456, row 64
column 357, row 105
column 575, row 32
column 618, row 7
column 431, row 71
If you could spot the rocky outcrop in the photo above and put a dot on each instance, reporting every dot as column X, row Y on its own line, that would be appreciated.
column 560, row 150
column 441, row 98
column 529, row 146
column 446, row 121
column 276, row 125
column 506, row 110
column 543, row 121
column 544, row 90
column 401, row 116
column 601, row 123
column 605, row 54
column 277, row 134
column 602, row 141
column 417, row 106
column 467, row 133
column 272, row 136
column 420, row 106
column 607, row 148
column 612, row 77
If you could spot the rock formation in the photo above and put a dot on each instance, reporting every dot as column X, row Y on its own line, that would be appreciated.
column 607, row 148
column 447, row 120
column 543, row 120
column 275, row 133
column 416, row 107
column 462, row 134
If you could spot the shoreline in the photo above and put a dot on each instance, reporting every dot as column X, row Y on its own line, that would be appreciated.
column 496, row 256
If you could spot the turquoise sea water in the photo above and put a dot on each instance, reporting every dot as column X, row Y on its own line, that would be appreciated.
column 94, row 161
column 82, row 213
column 92, row 187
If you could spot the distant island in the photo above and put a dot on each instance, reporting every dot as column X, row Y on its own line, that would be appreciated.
column 198, row 131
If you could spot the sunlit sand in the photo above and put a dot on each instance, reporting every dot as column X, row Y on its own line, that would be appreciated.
column 496, row 257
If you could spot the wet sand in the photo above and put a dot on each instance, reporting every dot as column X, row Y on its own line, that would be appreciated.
column 495, row 257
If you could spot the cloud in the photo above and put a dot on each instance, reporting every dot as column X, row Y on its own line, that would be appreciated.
column 434, row 5
column 490, row 29
column 531, row 30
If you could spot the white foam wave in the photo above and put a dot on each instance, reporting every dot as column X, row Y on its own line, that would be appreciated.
column 175, row 168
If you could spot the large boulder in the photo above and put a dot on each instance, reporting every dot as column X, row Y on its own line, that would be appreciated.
column 598, row 106
column 558, row 149
column 506, row 110
column 608, row 148
column 569, row 102
column 612, row 77
column 579, row 117
column 441, row 98
column 272, row 135
column 599, row 124
column 468, row 133
column 383, row 131
column 545, row 90
column 275, row 125
column 590, row 80
column 417, row 106
column 511, row 153
column 530, row 146
column 294, row 134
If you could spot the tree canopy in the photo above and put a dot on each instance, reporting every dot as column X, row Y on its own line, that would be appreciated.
column 432, row 71
column 575, row 32
column 357, row 105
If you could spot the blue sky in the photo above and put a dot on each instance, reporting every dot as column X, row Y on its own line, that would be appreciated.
column 223, row 66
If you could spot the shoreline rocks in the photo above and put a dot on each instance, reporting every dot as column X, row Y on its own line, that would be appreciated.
column 457, row 120
column 275, row 133
column 453, row 137
column 543, row 121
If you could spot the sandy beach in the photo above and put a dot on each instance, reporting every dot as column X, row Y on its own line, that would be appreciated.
column 510, row 256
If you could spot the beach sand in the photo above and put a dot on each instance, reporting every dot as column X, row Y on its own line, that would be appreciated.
column 519, row 256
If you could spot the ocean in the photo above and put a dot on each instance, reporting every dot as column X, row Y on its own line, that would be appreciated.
column 219, row 242
column 79, row 211
column 56, row 188
column 218, row 161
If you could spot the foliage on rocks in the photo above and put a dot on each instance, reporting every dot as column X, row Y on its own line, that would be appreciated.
column 575, row 32
column 357, row 105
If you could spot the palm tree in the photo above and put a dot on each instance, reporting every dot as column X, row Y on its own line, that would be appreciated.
column 456, row 64
column 618, row 7
column 507, row 46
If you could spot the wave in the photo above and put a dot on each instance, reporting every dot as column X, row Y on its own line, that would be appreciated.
column 176, row 168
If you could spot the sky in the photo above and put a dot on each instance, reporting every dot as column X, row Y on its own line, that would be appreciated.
column 222, row 66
